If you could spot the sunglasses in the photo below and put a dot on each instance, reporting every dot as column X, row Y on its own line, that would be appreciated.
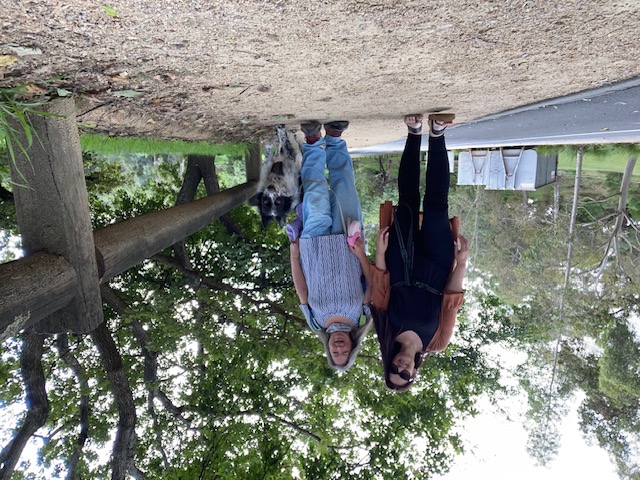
column 404, row 374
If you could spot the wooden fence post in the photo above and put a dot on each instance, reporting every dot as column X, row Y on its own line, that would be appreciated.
column 53, row 211
column 253, row 161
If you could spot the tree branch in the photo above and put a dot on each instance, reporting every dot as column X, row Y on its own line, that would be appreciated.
column 620, row 215
column 36, row 400
column 154, row 417
column 136, row 473
column 62, row 344
column 213, row 284
column 119, row 306
column 293, row 425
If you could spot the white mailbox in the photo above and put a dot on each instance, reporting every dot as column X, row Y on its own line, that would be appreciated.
column 506, row 168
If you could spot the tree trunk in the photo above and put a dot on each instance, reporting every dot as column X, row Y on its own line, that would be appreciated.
column 124, row 446
column 36, row 400
column 198, row 167
column 253, row 162
column 187, row 193
column 572, row 224
column 567, row 274
column 556, row 198
column 624, row 193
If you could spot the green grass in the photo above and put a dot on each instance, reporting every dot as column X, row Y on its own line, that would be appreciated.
column 600, row 158
column 106, row 145
column 17, row 104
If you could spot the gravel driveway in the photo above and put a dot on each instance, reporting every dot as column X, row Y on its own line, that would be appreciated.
column 229, row 69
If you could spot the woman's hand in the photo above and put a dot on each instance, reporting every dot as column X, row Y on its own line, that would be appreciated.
column 462, row 250
column 382, row 242
column 294, row 249
column 358, row 248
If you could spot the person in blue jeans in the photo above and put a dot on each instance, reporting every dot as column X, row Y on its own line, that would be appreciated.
column 327, row 270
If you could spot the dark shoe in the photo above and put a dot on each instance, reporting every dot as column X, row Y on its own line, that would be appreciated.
column 438, row 122
column 335, row 128
column 311, row 130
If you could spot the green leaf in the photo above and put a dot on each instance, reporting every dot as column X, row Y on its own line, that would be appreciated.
column 63, row 92
column 112, row 12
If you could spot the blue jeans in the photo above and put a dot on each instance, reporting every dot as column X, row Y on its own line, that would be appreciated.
column 328, row 208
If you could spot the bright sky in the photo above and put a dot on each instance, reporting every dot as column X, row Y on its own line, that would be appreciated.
column 496, row 449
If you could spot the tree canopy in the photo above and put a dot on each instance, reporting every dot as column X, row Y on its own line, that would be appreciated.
column 206, row 369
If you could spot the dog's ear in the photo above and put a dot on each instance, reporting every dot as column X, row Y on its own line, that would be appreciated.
column 287, row 205
column 255, row 200
column 266, row 219
column 300, row 189
column 286, row 208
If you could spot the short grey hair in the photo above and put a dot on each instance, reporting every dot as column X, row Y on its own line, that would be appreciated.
column 357, row 336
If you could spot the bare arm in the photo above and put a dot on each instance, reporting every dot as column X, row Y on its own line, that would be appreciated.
column 299, row 281
column 382, row 243
column 454, row 283
column 358, row 251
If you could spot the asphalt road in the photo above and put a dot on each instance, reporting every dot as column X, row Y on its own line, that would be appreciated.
column 605, row 115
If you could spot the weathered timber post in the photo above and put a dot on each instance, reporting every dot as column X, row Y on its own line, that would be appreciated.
column 53, row 211
column 44, row 283
column 25, row 299
column 253, row 161
column 32, row 288
column 124, row 244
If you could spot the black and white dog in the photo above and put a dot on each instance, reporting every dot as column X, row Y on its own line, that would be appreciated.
column 280, row 186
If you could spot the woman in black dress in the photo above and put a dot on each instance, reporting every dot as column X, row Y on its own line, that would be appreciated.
column 421, row 266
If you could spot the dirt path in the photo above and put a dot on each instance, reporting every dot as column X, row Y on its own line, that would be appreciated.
column 229, row 68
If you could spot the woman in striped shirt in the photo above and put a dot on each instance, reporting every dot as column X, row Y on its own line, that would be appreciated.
column 327, row 271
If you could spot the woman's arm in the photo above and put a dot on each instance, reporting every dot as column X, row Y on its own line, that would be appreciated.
column 382, row 242
column 379, row 274
column 454, row 283
column 358, row 250
column 299, row 281
column 451, row 303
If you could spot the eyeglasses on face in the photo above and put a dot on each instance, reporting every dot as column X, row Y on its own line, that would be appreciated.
column 404, row 374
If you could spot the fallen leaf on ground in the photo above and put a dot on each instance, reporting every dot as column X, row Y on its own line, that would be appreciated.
column 35, row 89
column 118, row 78
column 112, row 12
column 6, row 60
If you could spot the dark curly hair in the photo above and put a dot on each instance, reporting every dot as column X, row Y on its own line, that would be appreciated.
column 389, row 347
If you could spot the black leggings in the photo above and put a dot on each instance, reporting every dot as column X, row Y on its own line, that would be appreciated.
column 429, row 249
